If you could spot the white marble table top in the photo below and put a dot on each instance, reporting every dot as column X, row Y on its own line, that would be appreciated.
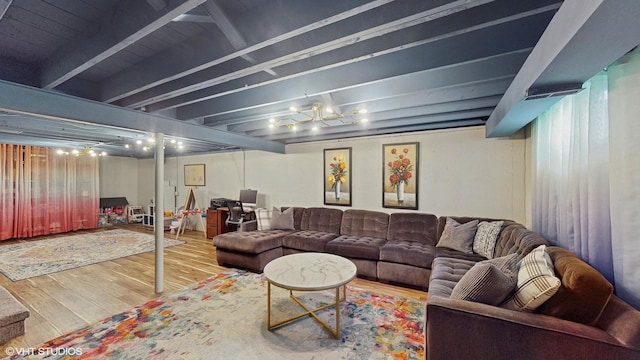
column 310, row 271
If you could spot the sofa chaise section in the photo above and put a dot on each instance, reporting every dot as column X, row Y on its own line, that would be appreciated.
column 362, row 235
column 407, row 256
column 249, row 249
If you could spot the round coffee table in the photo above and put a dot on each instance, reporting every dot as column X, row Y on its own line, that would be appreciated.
column 309, row 272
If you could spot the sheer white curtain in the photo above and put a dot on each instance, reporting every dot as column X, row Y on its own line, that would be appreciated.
column 571, row 184
column 586, row 192
column 624, row 112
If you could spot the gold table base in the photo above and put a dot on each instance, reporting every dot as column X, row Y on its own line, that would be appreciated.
column 309, row 312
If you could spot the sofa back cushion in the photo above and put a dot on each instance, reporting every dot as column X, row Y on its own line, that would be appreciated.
column 321, row 219
column 515, row 238
column 365, row 223
column 413, row 227
column 583, row 293
column 297, row 216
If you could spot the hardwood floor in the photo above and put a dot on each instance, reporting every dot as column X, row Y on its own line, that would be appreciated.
column 71, row 299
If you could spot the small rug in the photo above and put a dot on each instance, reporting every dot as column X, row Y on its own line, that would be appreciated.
column 224, row 317
column 40, row 257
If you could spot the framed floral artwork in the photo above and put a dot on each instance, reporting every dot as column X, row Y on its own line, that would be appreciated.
column 337, row 176
column 400, row 175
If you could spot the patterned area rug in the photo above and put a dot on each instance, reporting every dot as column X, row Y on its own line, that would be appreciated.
column 40, row 257
column 224, row 317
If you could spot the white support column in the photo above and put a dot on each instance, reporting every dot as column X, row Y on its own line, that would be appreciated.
column 158, row 219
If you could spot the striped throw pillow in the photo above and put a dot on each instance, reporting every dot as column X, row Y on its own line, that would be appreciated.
column 536, row 282
column 263, row 218
column 488, row 281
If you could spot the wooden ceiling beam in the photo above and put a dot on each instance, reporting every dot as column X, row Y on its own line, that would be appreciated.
column 4, row 5
column 356, row 47
column 157, row 70
column 374, row 27
column 370, row 69
column 131, row 21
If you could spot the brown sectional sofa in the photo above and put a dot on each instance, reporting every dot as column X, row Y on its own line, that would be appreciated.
column 401, row 248
column 393, row 248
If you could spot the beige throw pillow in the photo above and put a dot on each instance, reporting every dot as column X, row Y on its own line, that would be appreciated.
column 282, row 220
column 536, row 281
column 458, row 236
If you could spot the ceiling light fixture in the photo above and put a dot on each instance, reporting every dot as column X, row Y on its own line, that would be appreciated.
column 150, row 141
column 319, row 116
column 87, row 150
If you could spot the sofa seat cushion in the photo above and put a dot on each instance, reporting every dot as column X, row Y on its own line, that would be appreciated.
column 445, row 274
column 364, row 247
column 308, row 240
column 408, row 252
column 450, row 253
column 253, row 242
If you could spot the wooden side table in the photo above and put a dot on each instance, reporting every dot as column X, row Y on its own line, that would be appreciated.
column 216, row 222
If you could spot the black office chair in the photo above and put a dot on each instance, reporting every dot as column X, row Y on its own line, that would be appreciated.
column 235, row 216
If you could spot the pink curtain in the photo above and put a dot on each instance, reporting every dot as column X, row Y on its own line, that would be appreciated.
column 51, row 193
column 8, row 160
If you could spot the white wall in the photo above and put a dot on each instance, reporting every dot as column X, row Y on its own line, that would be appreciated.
column 119, row 177
column 461, row 173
